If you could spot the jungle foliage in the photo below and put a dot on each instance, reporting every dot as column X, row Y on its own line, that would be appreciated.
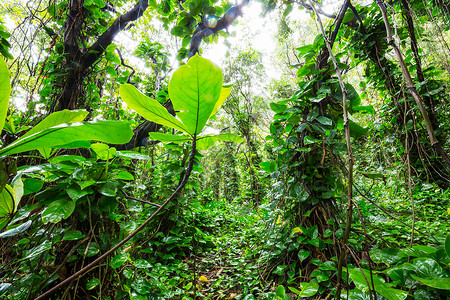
column 124, row 175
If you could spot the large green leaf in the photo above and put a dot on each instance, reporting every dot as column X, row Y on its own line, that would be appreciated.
column 438, row 283
column 7, row 205
column 9, row 200
column 56, row 118
column 203, row 142
column 428, row 268
column 224, row 93
column 363, row 281
column 308, row 289
column 163, row 137
column 149, row 108
column 58, row 210
column 10, row 197
column 16, row 230
column 387, row 256
column 194, row 90
column 356, row 131
column 103, row 151
column 5, row 90
column 114, row 132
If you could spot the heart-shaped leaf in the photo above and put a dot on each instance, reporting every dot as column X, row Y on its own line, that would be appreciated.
column 194, row 90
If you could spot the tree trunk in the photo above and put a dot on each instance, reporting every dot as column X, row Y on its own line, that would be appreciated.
column 78, row 61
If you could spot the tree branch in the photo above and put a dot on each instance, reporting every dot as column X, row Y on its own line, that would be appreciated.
column 96, row 50
column 225, row 21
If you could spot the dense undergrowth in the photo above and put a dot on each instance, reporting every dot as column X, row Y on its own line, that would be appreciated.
column 332, row 184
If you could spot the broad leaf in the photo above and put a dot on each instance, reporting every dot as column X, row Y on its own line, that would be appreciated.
column 58, row 210
column 103, row 151
column 363, row 281
column 16, row 230
column 308, row 289
column 224, row 93
column 56, row 118
column 9, row 198
column 32, row 185
column 387, row 256
column 114, row 132
column 118, row 260
column 5, row 90
column 438, row 283
column 73, row 235
column 203, row 142
column 36, row 251
column 194, row 89
column 163, row 137
column 428, row 268
column 356, row 131
column 149, row 108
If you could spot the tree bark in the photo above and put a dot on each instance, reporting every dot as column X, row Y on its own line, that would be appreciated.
column 78, row 61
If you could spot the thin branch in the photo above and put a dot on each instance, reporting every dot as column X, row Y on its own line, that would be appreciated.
column 125, row 65
column 96, row 50
column 410, row 84
column 139, row 200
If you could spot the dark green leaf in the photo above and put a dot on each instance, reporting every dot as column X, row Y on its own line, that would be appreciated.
column 32, row 185
column 58, row 210
column 438, row 283
column 73, row 235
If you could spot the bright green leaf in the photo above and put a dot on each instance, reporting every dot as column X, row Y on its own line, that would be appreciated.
column 362, row 280
column 194, row 89
column 308, row 289
column 163, row 137
column 5, row 90
column 124, row 175
column 141, row 264
column 224, row 93
column 204, row 142
column 303, row 254
column 132, row 155
column 149, row 108
column 103, row 151
column 57, row 118
column 91, row 284
column 114, row 132
column 118, row 260
column 32, row 185
column 437, row 283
